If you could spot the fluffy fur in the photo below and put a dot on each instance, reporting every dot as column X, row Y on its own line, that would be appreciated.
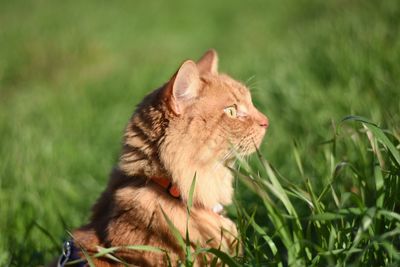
column 180, row 130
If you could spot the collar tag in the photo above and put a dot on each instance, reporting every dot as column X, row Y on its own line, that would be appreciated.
column 218, row 208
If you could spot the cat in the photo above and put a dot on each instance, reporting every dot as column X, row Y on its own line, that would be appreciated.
column 193, row 126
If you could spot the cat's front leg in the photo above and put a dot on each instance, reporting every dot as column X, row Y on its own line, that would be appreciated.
column 215, row 230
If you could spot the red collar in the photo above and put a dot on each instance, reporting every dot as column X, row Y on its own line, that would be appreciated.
column 166, row 183
column 173, row 190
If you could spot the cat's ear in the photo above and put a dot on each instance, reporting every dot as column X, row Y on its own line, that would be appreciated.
column 185, row 88
column 208, row 63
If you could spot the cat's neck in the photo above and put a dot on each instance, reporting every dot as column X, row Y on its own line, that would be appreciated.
column 186, row 159
column 213, row 184
column 213, row 181
column 143, row 136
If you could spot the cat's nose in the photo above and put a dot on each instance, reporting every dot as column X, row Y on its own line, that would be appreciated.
column 263, row 121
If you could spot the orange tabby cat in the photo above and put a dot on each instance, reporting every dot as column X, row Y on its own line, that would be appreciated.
column 193, row 125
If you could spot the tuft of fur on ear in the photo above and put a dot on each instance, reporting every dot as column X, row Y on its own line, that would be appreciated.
column 208, row 63
column 185, row 86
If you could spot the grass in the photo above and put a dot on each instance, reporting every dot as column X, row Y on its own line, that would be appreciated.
column 330, row 226
column 327, row 194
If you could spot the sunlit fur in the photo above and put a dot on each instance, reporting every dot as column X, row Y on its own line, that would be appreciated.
column 202, row 140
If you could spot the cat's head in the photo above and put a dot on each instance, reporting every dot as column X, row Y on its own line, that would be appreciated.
column 213, row 109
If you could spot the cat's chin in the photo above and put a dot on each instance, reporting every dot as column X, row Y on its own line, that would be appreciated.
column 251, row 149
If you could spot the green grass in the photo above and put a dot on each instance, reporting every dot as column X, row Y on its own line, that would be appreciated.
column 352, row 220
column 71, row 74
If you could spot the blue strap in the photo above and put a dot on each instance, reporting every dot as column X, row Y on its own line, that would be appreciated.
column 69, row 253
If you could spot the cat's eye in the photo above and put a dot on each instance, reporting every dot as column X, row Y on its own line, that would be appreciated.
column 231, row 111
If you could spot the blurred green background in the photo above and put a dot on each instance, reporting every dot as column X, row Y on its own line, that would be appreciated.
column 71, row 73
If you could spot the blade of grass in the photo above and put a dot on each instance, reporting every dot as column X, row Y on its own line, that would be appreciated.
column 263, row 234
column 189, row 207
column 174, row 230
column 224, row 257
column 379, row 134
